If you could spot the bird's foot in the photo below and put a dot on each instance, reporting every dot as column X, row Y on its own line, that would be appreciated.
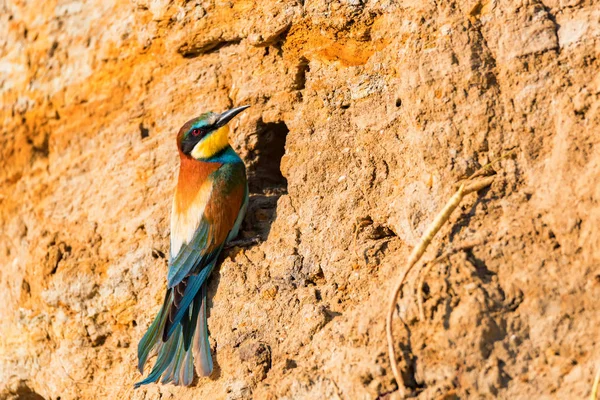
column 246, row 242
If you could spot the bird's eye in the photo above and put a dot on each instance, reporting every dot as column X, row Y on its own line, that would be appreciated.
column 196, row 132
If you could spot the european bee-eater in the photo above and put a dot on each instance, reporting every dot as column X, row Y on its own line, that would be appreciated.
column 208, row 208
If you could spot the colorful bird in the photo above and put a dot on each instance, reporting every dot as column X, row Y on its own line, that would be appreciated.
column 208, row 208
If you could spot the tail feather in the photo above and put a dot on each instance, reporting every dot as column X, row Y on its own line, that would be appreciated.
column 187, row 346
column 166, row 351
column 167, row 373
column 187, row 371
column 189, row 325
column 153, row 333
column 201, row 347
column 178, row 371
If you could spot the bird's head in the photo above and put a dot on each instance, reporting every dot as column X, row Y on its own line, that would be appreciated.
column 206, row 135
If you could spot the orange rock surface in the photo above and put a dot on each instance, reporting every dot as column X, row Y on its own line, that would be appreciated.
column 364, row 115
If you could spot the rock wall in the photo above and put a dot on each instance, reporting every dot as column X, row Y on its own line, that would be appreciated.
column 364, row 115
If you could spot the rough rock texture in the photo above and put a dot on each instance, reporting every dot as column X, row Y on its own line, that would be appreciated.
column 364, row 115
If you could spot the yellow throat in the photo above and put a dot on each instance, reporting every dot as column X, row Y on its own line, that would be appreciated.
column 212, row 144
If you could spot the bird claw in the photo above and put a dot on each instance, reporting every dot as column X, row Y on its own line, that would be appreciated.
column 243, row 242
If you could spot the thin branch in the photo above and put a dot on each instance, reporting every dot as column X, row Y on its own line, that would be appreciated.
column 414, row 257
column 488, row 167
column 594, row 395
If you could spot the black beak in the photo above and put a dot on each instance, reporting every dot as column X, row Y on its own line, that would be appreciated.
column 228, row 115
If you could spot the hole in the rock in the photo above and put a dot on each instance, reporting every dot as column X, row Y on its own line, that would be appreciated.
column 398, row 102
column 144, row 132
column 302, row 69
column 264, row 173
column 24, row 392
column 265, row 181
column 157, row 254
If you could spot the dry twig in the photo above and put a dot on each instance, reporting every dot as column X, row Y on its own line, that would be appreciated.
column 594, row 395
column 416, row 254
column 486, row 169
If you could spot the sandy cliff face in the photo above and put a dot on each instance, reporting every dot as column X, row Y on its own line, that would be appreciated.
column 364, row 115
